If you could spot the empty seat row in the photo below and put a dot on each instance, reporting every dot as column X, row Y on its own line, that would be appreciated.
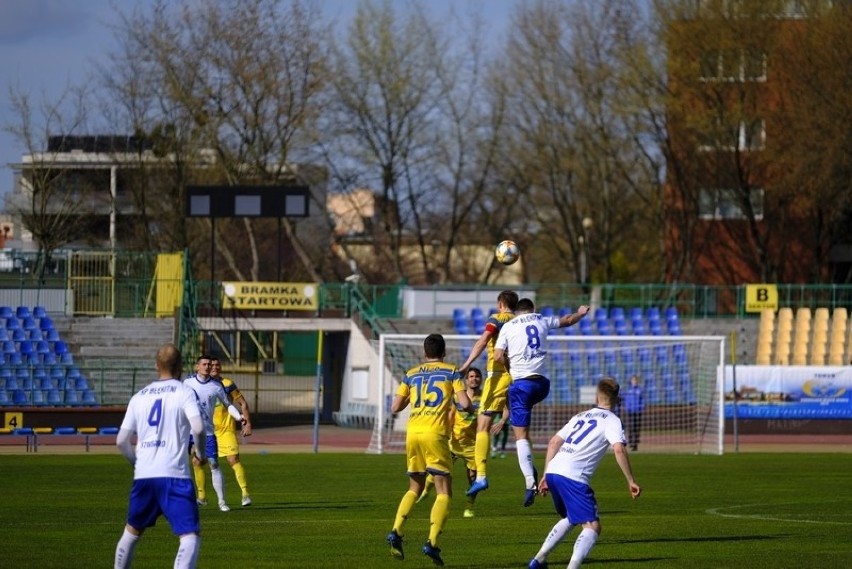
column 47, row 397
column 803, row 337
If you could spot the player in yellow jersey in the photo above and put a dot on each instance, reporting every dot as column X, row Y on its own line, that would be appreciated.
column 225, row 428
column 463, row 437
column 496, row 385
column 429, row 388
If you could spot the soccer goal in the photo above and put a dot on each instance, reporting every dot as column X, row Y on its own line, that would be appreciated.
column 681, row 377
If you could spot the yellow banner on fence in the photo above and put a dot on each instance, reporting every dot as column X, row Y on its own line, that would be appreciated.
column 761, row 296
column 270, row 296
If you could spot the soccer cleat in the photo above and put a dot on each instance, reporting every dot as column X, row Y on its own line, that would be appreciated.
column 224, row 507
column 535, row 564
column 246, row 501
column 395, row 541
column 433, row 552
column 468, row 513
column 201, row 501
column 477, row 487
column 529, row 493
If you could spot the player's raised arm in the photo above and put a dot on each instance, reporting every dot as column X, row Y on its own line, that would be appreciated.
column 571, row 319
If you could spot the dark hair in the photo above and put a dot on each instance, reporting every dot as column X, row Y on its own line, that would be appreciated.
column 434, row 346
column 526, row 305
column 509, row 299
column 204, row 357
column 475, row 370
column 609, row 388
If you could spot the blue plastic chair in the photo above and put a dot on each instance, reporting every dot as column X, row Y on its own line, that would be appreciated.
column 81, row 383
column 52, row 336
column 29, row 323
column 477, row 312
column 653, row 313
column 42, row 347
column 38, row 398
column 617, row 313
column 48, row 359
column 4, row 398
column 12, row 323
column 6, row 312
column 19, row 335
column 60, row 348
column 34, row 335
column 23, row 312
column 89, row 398
column 547, row 311
column 39, row 311
column 4, row 335
column 14, row 359
column 26, row 347
column 19, row 397
column 66, row 359
column 45, row 324
column 458, row 313
column 54, row 397
column 72, row 397
column 565, row 311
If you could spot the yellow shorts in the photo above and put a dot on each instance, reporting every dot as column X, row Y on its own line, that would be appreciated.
column 494, row 392
column 428, row 452
column 465, row 450
column 227, row 443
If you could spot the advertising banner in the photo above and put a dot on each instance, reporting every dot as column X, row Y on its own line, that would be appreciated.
column 794, row 392
column 270, row 296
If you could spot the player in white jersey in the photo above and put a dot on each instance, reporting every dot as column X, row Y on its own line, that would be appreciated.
column 573, row 455
column 209, row 391
column 161, row 415
column 522, row 345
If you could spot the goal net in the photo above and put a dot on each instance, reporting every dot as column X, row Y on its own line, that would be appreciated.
column 680, row 377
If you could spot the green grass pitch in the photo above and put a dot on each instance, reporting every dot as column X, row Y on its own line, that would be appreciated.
column 334, row 510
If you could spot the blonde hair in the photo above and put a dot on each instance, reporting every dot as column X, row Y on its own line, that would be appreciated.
column 608, row 389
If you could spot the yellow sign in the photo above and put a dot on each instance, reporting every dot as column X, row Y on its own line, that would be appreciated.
column 760, row 297
column 270, row 296
column 13, row 420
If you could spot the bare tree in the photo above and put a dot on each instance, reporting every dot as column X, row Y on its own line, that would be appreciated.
column 54, row 197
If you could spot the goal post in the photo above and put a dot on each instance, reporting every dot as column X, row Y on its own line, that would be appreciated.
column 681, row 378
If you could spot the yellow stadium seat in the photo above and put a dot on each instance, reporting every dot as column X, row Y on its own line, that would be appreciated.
column 821, row 314
column 782, row 354
column 803, row 313
column 785, row 314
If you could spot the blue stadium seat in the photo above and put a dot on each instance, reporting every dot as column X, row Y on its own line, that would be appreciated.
column 600, row 313
column 60, row 348
column 6, row 312
column 54, row 397
column 29, row 323
column 81, row 383
column 671, row 313
column 585, row 327
column 617, row 313
column 34, row 335
column 565, row 311
column 14, row 359
column 11, row 383
column 12, row 323
column 66, row 359
column 4, row 398
column 26, row 347
column 639, row 328
column 636, row 312
column 22, row 312
column 39, row 311
column 89, row 398
column 4, row 335
column 45, row 324
column 477, row 312
column 52, row 336
column 653, row 313
column 655, row 328
column 688, row 394
column 19, row 335
column 72, row 397
column 458, row 313
column 42, row 347
column 603, row 327
column 38, row 398
column 460, row 325
column 19, row 397
column 674, row 328
column 49, row 358
column 621, row 328
column 547, row 311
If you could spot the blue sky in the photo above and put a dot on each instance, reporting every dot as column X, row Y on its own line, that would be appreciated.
column 47, row 45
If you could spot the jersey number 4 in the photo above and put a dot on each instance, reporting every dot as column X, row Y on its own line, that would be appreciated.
column 155, row 415
column 582, row 435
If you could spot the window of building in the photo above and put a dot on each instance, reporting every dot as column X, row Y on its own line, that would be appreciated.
column 745, row 136
column 733, row 65
column 728, row 203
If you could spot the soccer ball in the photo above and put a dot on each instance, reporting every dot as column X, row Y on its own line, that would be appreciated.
column 507, row 252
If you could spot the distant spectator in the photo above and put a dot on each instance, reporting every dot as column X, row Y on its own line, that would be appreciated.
column 634, row 407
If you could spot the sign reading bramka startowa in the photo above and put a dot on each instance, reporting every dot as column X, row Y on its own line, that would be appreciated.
column 270, row 296
column 790, row 392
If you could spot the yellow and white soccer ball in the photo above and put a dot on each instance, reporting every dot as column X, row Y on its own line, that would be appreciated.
column 507, row 252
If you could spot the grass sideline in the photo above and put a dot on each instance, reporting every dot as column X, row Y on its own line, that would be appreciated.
column 334, row 510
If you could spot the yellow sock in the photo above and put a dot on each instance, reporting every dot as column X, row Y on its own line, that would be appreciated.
column 440, row 512
column 405, row 507
column 200, row 481
column 240, row 474
column 483, row 443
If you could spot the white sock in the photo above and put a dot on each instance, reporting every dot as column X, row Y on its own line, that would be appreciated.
column 585, row 541
column 556, row 535
column 124, row 550
column 187, row 554
column 218, row 483
column 525, row 460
